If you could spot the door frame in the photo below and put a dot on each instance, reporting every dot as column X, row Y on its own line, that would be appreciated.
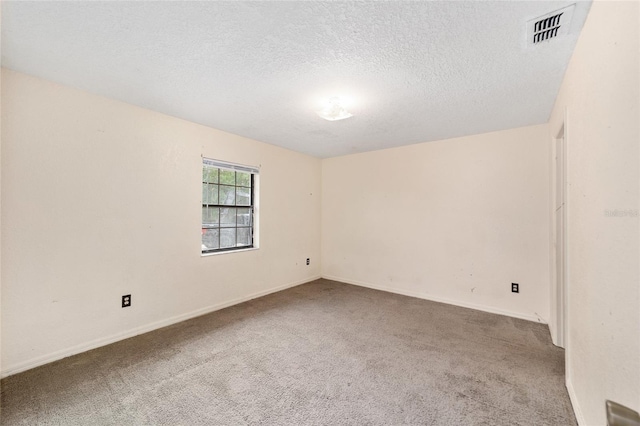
column 559, row 309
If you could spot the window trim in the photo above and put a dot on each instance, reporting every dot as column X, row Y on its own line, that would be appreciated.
column 230, row 166
column 252, row 206
column 218, row 252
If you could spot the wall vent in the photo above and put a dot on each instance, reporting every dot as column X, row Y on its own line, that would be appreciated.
column 549, row 26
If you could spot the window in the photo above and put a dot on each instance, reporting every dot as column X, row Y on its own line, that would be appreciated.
column 228, row 204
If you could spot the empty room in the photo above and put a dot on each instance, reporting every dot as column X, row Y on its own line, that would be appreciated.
column 320, row 213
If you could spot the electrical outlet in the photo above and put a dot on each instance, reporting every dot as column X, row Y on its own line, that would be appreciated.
column 126, row 300
column 515, row 288
column 308, row 261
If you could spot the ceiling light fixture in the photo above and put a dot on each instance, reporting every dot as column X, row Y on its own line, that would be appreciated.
column 334, row 110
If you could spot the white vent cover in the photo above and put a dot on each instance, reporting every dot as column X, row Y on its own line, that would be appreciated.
column 549, row 26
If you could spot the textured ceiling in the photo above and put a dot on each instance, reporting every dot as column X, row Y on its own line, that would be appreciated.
column 413, row 71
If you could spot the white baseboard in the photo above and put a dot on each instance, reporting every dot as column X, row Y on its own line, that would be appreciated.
column 433, row 298
column 574, row 401
column 83, row 347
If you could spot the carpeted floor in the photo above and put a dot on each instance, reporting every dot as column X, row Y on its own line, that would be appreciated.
column 321, row 353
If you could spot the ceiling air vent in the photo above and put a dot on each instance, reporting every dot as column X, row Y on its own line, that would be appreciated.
column 549, row 26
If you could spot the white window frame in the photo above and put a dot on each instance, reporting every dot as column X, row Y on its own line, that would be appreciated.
column 253, row 207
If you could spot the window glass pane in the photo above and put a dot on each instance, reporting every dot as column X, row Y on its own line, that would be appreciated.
column 210, row 174
column 227, row 217
column 228, row 177
column 227, row 237
column 210, row 239
column 243, row 179
column 243, row 196
column 210, row 216
column 244, row 236
column 205, row 193
column 213, row 194
column 209, row 193
column 244, row 217
column 227, row 195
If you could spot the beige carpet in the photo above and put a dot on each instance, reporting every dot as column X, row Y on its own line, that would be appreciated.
column 321, row 353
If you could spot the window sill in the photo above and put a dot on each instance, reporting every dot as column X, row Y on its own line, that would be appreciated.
column 217, row 253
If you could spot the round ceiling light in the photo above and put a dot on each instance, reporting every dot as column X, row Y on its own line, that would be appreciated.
column 334, row 110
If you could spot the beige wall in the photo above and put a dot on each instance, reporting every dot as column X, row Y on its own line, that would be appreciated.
column 456, row 221
column 0, row 199
column 102, row 199
column 600, row 94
